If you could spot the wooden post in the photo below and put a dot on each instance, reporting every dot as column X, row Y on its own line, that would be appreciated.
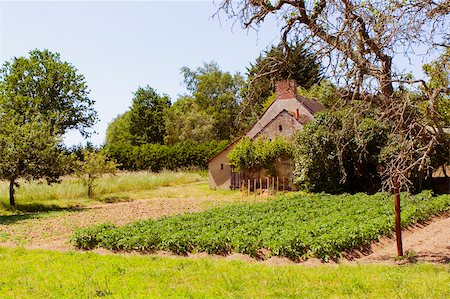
column 248, row 186
column 398, row 228
column 273, row 183
column 254, row 185
column 278, row 184
column 260, row 186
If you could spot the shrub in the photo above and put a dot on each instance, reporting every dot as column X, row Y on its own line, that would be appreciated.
column 334, row 154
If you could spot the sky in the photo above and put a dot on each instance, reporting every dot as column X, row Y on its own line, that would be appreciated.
column 119, row 46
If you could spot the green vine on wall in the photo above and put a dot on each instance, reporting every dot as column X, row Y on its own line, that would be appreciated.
column 260, row 153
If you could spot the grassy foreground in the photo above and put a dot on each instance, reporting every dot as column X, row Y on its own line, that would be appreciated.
column 295, row 226
column 44, row 274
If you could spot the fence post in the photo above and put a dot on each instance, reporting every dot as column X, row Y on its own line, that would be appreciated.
column 277, row 184
column 248, row 186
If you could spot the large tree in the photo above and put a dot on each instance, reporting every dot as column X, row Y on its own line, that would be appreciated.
column 362, row 40
column 147, row 116
column 187, row 121
column 218, row 94
column 44, row 84
column 118, row 130
column 143, row 123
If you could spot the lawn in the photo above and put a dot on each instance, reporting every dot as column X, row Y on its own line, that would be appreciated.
column 295, row 226
column 45, row 274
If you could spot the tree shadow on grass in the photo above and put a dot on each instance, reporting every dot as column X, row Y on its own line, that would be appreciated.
column 32, row 210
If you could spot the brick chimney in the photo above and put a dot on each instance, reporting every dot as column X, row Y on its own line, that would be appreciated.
column 286, row 89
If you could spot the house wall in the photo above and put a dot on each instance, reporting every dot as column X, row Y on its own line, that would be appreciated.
column 291, row 105
column 285, row 125
column 219, row 171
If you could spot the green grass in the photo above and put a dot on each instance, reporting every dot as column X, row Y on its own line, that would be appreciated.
column 295, row 226
column 38, row 196
column 43, row 274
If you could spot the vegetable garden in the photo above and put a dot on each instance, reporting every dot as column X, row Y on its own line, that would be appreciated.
column 295, row 226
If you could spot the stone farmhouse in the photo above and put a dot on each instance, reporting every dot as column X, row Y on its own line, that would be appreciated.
column 285, row 116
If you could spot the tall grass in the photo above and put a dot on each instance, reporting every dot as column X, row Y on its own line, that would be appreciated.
column 36, row 195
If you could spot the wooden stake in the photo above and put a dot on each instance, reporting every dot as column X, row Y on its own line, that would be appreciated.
column 260, row 186
column 248, row 186
column 398, row 228
column 278, row 185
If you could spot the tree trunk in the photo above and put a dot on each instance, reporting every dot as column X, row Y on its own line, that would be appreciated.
column 12, row 201
column 89, row 186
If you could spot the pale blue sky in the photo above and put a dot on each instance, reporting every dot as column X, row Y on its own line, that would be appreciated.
column 119, row 46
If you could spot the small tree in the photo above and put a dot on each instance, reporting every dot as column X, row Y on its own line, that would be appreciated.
column 93, row 166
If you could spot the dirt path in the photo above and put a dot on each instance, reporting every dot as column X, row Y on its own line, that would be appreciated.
column 430, row 241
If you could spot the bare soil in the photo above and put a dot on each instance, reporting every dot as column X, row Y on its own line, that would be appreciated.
column 429, row 241
column 53, row 232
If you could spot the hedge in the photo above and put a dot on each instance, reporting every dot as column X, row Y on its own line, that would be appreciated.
column 156, row 157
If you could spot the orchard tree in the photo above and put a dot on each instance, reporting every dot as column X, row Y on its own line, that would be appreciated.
column 362, row 41
column 147, row 116
column 44, row 84
column 41, row 97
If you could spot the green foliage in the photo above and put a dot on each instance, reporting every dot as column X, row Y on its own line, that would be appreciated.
column 335, row 154
column 143, row 123
column 259, row 153
column 271, row 66
column 325, row 92
column 187, row 121
column 438, row 73
column 28, row 150
column 294, row 226
column 44, row 85
column 147, row 115
column 92, row 167
column 217, row 93
column 156, row 157
column 119, row 130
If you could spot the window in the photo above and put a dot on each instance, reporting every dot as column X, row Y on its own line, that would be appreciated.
column 221, row 166
column 280, row 127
